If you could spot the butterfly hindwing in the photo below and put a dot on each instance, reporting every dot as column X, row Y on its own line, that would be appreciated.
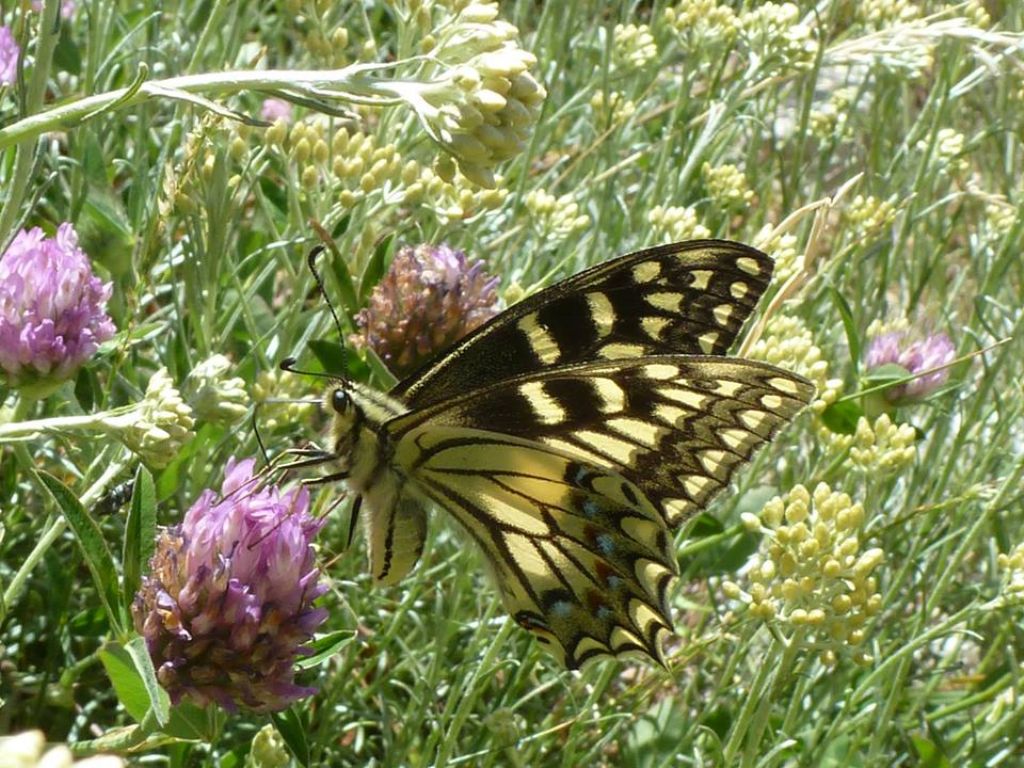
column 676, row 426
column 686, row 298
column 580, row 556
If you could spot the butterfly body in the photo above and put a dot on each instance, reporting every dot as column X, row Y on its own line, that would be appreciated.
column 570, row 435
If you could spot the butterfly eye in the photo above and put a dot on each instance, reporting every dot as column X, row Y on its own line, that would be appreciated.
column 340, row 400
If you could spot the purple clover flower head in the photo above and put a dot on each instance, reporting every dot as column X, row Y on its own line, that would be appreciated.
column 915, row 356
column 228, row 605
column 430, row 297
column 276, row 109
column 52, row 309
column 9, row 52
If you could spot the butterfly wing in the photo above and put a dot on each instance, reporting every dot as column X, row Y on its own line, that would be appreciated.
column 676, row 426
column 571, row 479
column 581, row 558
column 687, row 298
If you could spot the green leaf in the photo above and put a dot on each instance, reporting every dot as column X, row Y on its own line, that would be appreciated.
column 159, row 702
column 375, row 267
column 191, row 723
column 90, row 539
column 325, row 647
column 886, row 374
column 289, row 724
column 842, row 417
column 128, row 683
column 929, row 754
column 66, row 55
column 349, row 297
column 852, row 337
column 139, row 533
column 331, row 355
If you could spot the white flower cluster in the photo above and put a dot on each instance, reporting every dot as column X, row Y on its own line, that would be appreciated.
column 557, row 217
column 789, row 344
column 702, row 22
column 214, row 396
column 882, row 447
column 633, row 46
column 677, row 223
column 789, row 260
column 479, row 101
column 156, row 427
column 812, row 577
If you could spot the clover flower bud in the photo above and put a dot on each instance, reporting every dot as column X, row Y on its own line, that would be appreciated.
column 430, row 297
column 52, row 310
column 273, row 110
column 214, row 396
column 916, row 358
column 227, row 607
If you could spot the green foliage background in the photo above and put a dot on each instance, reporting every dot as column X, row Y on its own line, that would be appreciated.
column 203, row 224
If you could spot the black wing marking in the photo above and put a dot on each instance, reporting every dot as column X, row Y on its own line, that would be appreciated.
column 687, row 298
column 676, row 426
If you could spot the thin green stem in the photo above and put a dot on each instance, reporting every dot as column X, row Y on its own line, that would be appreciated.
column 348, row 84
column 758, row 691
column 22, row 173
column 780, row 680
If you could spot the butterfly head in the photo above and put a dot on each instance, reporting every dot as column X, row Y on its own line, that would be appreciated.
column 347, row 419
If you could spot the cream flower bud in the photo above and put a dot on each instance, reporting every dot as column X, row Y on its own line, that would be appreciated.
column 214, row 396
column 158, row 426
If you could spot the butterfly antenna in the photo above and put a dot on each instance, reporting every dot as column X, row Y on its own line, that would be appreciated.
column 311, row 262
column 288, row 364
column 256, row 432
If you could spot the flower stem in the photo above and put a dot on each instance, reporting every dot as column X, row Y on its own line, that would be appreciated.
column 57, row 524
column 46, row 43
column 758, row 689
column 348, row 84
column 780, row 681
column 16, row 430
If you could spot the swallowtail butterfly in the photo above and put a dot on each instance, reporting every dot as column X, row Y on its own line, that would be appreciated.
column 569, row 436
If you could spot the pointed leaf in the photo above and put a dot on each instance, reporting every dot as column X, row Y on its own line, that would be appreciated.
column 289, row 724
column 139, row 533
column 90, row 539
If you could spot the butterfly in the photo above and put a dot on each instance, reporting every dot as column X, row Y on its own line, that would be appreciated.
column 569, row 436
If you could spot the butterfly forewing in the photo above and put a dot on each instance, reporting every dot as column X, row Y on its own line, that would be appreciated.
column 686, row 298
column 581, row 557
